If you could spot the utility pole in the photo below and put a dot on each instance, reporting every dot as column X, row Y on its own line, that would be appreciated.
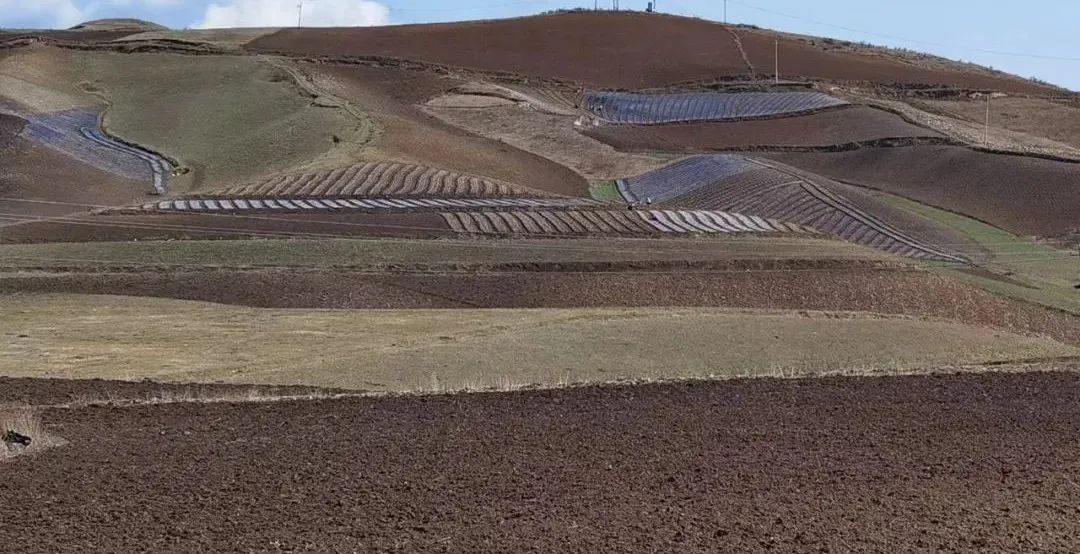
column 777, row 58
column 299, row 13
column 986, row 129
column 725, row 12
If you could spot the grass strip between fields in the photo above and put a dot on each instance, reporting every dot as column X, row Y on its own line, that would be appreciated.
column 113, row 337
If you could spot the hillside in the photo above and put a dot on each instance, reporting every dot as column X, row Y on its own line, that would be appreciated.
column 625, row 50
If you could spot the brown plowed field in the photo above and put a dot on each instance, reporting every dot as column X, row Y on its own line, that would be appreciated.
column 384, row 180
column 829, row 128
column 1027, row 196
column 75, row 37
column 37, row 392
column 624, row 50
column 905, row 292
column 10, row 127
column 983, row 462
column 31, row 171
column 408, row 134
column 95, row 228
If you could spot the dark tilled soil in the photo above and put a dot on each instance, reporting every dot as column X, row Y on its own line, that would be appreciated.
column 38, row 175
column 821, row 130
column 10, row 127
column 83, row 227
column 44, row 392
column 973, row 463
column 1027, row 196
column 624, row 50
column 913, row 293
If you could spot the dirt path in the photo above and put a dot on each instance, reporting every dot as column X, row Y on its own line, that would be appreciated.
column 973, row 463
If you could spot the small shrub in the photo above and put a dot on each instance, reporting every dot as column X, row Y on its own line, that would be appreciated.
column 25, row 421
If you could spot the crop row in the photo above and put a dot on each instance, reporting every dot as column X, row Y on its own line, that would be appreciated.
column 611, row 222
column 649, row 109
column 384, row 179
column 365, row 204
column 76, row 133
column 773, row 191
column 681, row 177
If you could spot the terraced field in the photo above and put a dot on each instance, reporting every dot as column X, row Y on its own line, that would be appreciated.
column 383, row 180
column 293, row 204
column 612, row 222
column 769, row 189
column 652, row 109
column 77, row 134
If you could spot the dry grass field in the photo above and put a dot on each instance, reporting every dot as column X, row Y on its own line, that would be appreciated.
column 89, row 337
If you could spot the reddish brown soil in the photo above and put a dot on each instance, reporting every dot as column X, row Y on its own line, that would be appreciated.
column 90, row 228
column 39, row 392
column 856, row 124
column 10, row 127
column 1027, row 196
column 391, row 96
column 624, row 50
column 30, row 171
column 84, row 37
column 907, row 292
column 984, row 462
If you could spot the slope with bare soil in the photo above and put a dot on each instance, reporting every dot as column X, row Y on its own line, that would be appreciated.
column 33, row 176
column 1026, row 196
column 942, row 463
column 1056, row 120
column 617, row 50
column 410, row 135
column 833, row 128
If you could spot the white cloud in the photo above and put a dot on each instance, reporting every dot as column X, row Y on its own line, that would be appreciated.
column 40, row 13
column 282, row 13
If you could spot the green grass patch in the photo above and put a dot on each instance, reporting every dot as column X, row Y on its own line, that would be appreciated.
column 1015, row 266
column 228, row 118
column 605, row 191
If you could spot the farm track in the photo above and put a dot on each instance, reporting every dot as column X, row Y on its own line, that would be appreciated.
column 378, row 179
column 766, row 189
column 653, row 109
column 943, row 462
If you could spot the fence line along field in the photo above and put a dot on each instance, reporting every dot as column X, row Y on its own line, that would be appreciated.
column 651, row 109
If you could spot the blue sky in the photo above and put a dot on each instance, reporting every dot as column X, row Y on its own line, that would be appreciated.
column 1037, row 38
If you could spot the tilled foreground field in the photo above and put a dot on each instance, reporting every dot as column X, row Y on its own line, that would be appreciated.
column 960, row 463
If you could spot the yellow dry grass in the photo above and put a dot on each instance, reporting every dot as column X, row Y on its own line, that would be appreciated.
column 75, row 336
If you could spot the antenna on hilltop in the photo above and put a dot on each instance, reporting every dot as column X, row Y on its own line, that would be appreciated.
column 299, row 13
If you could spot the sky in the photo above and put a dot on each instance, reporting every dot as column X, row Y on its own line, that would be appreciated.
column 1036, row 38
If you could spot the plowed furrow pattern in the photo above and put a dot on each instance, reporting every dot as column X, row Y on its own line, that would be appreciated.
column 383, row 179
column 732, row 183
column 612, row 222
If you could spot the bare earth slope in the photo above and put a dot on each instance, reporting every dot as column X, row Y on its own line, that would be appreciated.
column 950, row 463
column 623, row 50
column 1027, row 196
column 408, row 134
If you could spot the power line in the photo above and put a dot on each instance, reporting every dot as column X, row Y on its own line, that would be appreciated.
column 904, row 39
